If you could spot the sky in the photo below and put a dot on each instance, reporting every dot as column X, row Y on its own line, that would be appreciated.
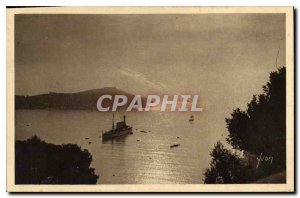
column 224, row 58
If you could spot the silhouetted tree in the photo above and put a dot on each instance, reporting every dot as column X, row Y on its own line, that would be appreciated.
column 37, row 162
column 225, row 167
column 262, row 127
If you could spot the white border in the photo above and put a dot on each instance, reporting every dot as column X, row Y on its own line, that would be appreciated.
column 157, row 188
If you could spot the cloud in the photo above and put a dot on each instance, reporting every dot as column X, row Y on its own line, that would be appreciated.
column 142, row 80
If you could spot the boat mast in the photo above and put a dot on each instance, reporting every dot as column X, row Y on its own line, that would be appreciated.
column 113, row 123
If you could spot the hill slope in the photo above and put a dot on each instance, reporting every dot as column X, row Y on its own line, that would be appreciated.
column 85, row 100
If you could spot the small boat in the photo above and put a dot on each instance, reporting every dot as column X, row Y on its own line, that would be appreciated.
column 191, row 118
column 174, row 145
column 143, row 131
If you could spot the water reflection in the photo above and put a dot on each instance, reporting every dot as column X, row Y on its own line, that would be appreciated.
column 121, row 141
column 143, row 157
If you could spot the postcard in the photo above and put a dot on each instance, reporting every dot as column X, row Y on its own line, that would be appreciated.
column 150, row 99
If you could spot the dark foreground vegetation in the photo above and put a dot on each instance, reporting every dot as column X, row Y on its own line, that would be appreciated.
column 259, row 133
column 37, row 162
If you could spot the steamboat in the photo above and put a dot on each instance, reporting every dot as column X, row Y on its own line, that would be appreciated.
column 118, row 130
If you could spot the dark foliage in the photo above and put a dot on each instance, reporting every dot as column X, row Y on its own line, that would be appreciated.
column 37, row 162
column 262, row 127
column 225, row 167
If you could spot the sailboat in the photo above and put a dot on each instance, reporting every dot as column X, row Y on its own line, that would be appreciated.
column 191, row 118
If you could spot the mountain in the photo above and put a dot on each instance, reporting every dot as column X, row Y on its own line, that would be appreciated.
column 84, row 100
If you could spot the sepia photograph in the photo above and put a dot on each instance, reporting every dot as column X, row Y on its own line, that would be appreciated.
column 144, row 99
